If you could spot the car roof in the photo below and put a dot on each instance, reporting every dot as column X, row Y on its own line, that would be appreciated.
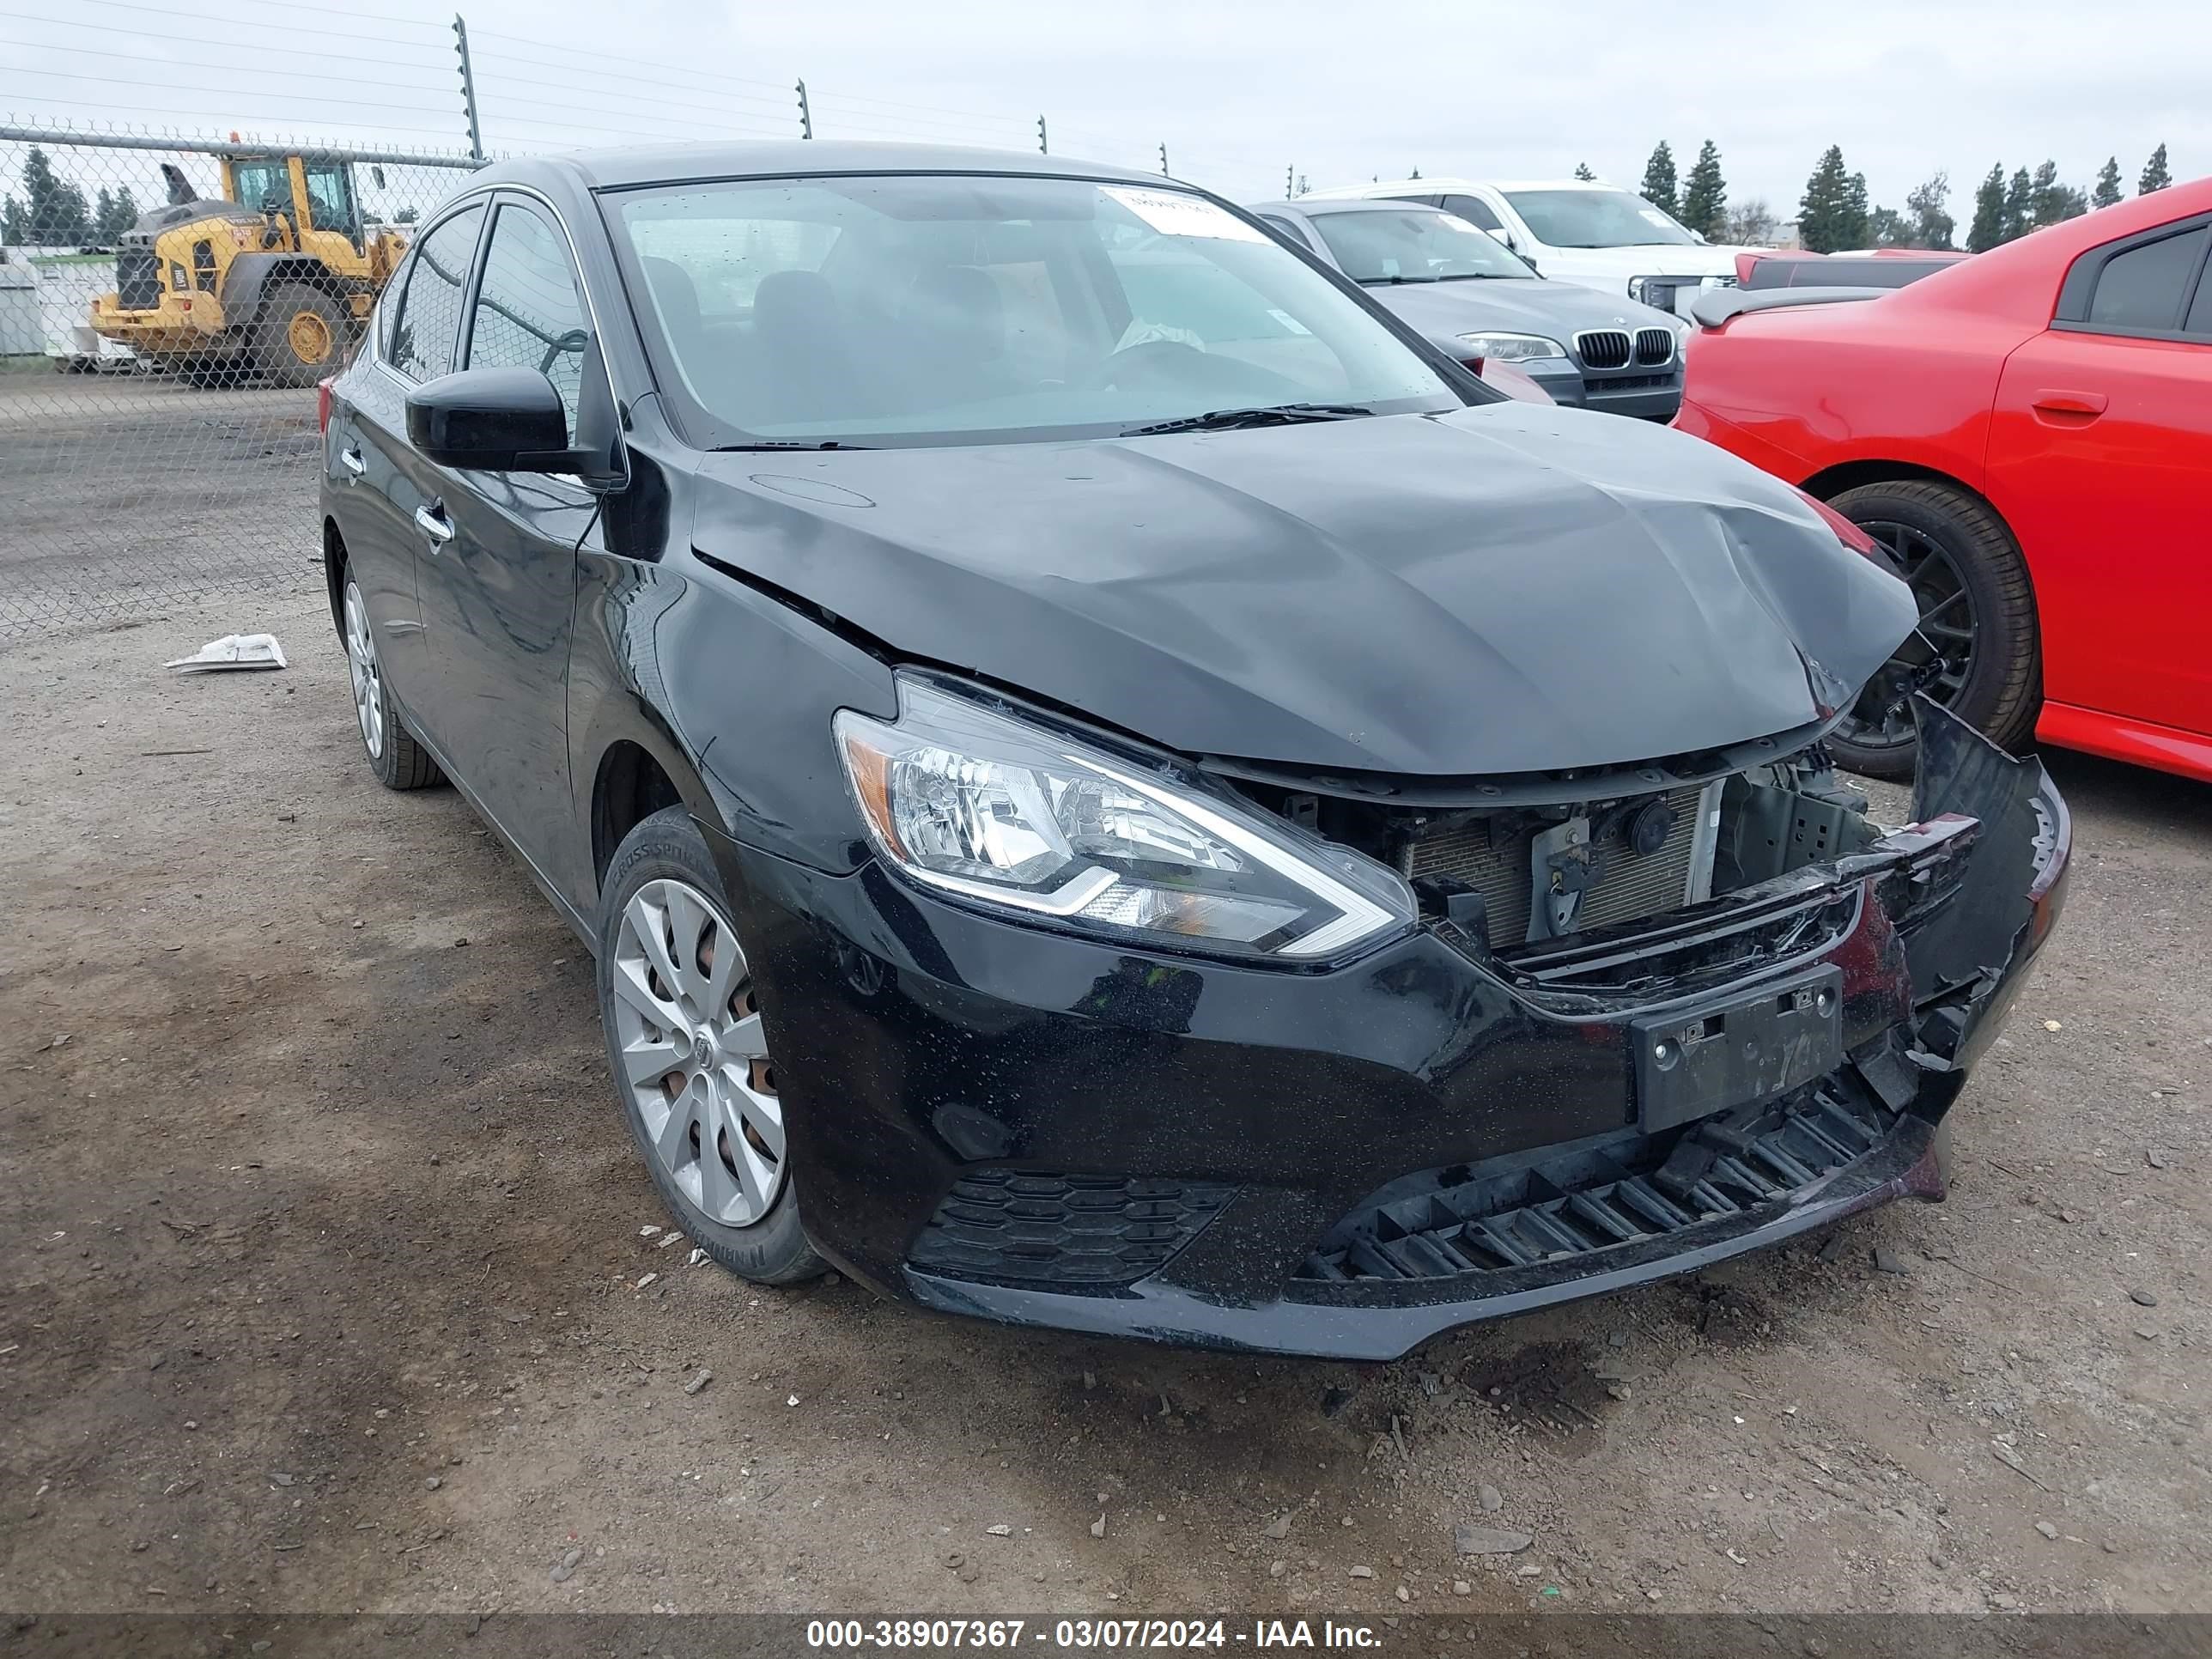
column 1344, row 205
column 1449, row 181
column 620, row 166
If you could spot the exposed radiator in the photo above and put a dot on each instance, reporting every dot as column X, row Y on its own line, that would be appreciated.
column 1629, row 884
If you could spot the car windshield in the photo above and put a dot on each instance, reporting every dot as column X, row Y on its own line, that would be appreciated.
column 1595, row 218
column 970, row 308
column 1413, row 244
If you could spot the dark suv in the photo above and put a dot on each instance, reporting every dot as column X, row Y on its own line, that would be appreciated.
column 1112, row 785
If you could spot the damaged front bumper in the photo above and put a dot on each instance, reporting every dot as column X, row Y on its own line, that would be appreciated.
column 1033, row 1127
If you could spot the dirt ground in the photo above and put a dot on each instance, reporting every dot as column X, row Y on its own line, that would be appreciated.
column 329, row 1279
column 122, row 494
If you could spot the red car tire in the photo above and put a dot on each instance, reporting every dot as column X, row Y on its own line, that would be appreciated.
column 1974, row 594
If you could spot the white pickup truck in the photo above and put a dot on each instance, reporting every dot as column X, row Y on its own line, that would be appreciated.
column 1579, row 231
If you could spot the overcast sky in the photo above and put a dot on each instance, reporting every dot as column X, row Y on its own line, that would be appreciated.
column 1238, row 90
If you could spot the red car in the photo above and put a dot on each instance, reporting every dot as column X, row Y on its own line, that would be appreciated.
column 2029, row 433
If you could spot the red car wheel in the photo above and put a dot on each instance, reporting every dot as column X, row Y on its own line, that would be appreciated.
column 1976, row 607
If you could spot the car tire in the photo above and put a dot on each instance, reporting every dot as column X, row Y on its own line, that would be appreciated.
column 664, row 925
column 302, row 335
column 1946, row 526
column 398, row 761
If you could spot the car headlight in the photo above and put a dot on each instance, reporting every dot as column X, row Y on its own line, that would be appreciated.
column 1511, row 348
column 1017, row 816
column 1638, row 287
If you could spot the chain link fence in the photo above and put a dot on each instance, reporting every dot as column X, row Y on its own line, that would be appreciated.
column 168, row 299
column 166, row 306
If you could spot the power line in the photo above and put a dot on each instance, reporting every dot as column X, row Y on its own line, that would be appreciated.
column 347, row 35
column 62, row 127
column 503, row 79
column 196, row 63
column 281, row 5
column 595, row 58
column 659, row 80
column 229, row 92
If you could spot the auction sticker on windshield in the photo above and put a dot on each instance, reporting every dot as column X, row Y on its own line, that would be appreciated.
column 1173, row 213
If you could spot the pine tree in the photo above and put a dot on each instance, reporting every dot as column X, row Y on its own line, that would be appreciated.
column 113, row 215
column 1705, row 194
column 15, row 222
column 2019, row 205
column 1854, row 228
column 1659, row 178
column 2154, row 175
column 56, row 209
column 1582, row 172
column 1931, row 225
column 1833, row 212
column 2107, row 193
column 1887, row 227
column 1987, row 229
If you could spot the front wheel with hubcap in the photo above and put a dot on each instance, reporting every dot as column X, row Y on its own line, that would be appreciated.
column 690, row 1053
column 1977, row 607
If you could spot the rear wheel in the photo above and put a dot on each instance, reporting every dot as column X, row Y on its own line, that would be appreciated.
column 1977, row 607
column 397, row 760
column 690, row 1053
column 302, row 335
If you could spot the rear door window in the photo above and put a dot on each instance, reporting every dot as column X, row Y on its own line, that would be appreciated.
column 2199, row 321
column 428, row 322
column 2146, row 289
column 1474, row 210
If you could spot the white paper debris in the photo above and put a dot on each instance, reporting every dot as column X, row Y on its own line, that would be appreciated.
column 235, row 651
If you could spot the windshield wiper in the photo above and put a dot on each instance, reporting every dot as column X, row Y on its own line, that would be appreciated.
column 1475, row 276
column 1225, row 419
column 737, row 449
column 1392, row 282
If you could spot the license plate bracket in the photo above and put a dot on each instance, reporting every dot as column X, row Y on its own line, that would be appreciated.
column 1734, row 1051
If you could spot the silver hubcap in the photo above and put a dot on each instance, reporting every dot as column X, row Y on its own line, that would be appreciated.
column 368, row 684
column 693, row 1057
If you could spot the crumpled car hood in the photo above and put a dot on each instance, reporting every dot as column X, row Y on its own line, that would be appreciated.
column 1504, row 588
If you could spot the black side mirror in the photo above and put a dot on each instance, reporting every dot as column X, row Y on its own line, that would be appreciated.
column 501, row 420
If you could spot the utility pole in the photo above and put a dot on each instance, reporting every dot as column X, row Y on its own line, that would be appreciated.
column 468, row 85
column 1289, row 179
column 1163, row 160
column 1044, row 148
column 805, row 114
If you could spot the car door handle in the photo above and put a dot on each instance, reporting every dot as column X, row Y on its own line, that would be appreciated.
column 2082, row 406
column 432, row 521
column 350, row 459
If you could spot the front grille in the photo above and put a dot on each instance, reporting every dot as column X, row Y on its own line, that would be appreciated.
column 1069, row 1232
column 1631, row 382
column 137, row 279
column 1500, row 865
column 1490, row 1218
column 1655, row 346
column 1604, row 348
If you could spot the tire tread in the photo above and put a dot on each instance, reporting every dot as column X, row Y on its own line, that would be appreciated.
column 2007, row 713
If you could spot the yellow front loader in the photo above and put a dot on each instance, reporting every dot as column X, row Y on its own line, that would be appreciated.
column 275, row 279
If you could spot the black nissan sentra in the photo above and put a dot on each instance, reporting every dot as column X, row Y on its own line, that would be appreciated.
column 1113, row 787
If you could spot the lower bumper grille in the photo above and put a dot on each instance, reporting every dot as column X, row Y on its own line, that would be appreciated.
column 1516, row 1213
column 1068, row 1232
column 1629, row 885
